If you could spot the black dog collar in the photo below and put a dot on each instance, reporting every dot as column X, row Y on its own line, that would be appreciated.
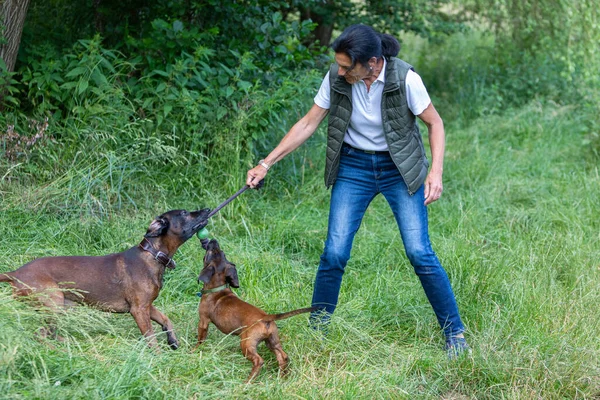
column 158, row 255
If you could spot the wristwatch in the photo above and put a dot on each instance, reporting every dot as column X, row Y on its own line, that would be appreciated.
column 263, row 164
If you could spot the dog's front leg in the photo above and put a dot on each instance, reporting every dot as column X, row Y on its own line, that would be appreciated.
column 202, row 331
column 141, row 315
column 166, row 325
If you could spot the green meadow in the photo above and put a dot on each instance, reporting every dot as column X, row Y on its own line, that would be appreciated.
column 517, row 230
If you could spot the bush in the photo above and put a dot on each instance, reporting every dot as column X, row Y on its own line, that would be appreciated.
column 123, row 123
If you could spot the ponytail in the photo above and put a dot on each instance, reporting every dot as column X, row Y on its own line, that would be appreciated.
column 390, row 47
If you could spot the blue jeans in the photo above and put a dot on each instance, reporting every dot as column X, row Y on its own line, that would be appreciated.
column 361, row 177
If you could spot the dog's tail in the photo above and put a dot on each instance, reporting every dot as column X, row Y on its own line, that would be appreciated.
column 277, row 317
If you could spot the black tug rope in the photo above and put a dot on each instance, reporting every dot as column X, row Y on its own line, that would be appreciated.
column 205, row 241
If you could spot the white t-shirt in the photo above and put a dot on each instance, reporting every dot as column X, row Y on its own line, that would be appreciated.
column 366, row 127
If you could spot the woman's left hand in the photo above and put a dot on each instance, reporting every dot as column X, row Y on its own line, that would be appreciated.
column 437, row 141
column 433, row 187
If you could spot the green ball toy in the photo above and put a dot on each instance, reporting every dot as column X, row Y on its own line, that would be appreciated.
column 202, row 233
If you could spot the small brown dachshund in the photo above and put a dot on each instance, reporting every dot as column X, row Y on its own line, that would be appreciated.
column 231, row 315
column 122, row 282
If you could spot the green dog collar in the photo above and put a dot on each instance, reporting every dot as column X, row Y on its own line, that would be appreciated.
column 213, row 290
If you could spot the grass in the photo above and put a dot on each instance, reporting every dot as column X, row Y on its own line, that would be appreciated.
column 516, row 229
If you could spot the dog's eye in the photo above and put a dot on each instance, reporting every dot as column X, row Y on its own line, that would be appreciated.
column 184, row 213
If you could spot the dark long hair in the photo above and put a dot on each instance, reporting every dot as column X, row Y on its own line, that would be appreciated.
column 362, row 42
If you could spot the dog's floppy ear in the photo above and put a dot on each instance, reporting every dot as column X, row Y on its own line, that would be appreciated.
column 231, row 276
column 206, row 274
column 157, row 227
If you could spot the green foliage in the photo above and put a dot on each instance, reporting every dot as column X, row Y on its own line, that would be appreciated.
column 590, row 128
column 491, row 75
column 542, row 48
column 163, row 103
column 563, row 29
column 170, row 85
column 62, row 23
column 2, row 37
column 8, row 87
column 430, row 19
column 78, row 84
column 481, row 81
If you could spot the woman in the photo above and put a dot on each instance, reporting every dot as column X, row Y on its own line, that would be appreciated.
column 374, row 146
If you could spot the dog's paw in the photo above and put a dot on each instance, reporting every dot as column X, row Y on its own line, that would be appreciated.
column 196, row 347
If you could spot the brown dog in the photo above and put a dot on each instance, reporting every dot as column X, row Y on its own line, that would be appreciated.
column 231, row 315
column 122, row 282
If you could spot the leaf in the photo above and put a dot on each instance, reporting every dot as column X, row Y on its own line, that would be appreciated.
column 57, row 77
column 244, row 85
column 99, row 78
column 68, row 85
column 226, row 69
column 221, row 112
column 76, row 72
column 159, row 72
column 147, row 103
column 281, row 49
column 83, row 85
column 177, row 26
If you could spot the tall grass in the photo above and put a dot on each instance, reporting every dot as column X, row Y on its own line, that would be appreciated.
column 516, row 230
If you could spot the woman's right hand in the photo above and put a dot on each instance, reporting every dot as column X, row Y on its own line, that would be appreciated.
column 255, row 175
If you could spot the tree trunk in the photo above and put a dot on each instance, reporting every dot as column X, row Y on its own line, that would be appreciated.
column 323, row 34
column 12, row 13
column 324, row 19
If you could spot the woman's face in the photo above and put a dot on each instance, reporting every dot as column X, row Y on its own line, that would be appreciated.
column 352, row 74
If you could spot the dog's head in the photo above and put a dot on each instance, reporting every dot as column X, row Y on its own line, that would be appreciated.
column 174, row 227
column 217, row 269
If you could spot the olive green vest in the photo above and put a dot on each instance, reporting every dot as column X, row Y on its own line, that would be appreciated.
column 399, row 125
